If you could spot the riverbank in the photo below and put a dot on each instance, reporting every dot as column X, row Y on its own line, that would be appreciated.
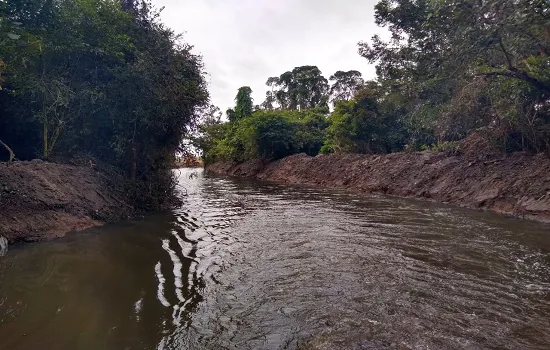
column 516, row 184
column 41, row 200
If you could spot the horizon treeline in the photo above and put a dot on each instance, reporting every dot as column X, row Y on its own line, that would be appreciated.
column 455, row 75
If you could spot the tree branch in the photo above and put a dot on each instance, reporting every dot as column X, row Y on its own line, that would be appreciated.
column 517, row 74
column 12, row 155
column 508, row 58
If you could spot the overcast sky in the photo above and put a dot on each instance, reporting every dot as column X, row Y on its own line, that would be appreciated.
column 244, row 42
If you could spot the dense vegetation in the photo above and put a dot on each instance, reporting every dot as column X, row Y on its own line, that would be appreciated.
column 99, row 78
column 106, row 80
column 456, row 74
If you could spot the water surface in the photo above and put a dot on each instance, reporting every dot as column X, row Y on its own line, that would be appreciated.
column 248, row 265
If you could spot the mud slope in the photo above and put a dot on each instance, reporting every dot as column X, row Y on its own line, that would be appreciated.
column 516, row 184
column 40, row 200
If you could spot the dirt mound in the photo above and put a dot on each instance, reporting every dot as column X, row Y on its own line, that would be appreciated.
column 516, row 184
column 41, row 200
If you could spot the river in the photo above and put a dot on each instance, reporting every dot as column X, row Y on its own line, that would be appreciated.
column 250, row 265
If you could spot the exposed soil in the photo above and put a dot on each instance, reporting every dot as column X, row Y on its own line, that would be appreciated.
column 517, row 184
column 41, row 200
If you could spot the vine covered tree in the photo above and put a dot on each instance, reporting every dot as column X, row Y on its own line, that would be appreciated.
column 244, row 103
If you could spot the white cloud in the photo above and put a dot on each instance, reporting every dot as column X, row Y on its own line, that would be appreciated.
column 244, row 42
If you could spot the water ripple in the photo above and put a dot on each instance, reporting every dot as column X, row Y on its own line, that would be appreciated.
column 248, row 265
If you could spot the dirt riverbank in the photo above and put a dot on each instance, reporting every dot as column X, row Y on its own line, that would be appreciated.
column 41, row 200
column 515, row 184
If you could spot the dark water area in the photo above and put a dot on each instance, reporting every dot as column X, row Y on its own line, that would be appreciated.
column 248, row 265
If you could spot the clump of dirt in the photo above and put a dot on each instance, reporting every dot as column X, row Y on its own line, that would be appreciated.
column 41, row 200
column 516, row 184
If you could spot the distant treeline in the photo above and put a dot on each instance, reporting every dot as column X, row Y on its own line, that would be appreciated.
column 98, row 78
column 455, row 75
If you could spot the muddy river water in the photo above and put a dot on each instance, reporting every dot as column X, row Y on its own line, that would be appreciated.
column 248, row 265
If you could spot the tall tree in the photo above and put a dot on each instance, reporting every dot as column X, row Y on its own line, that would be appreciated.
column 311, row 87
column 269, row 102
column 270, row 95
column 302, row 88
column 345, row 85
column 244, row 104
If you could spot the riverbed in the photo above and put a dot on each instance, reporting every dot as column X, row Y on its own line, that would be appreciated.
column 256, row 265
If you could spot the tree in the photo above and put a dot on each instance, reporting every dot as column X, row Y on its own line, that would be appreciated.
column 265, row 134
column 345, row 85
column 98, row 77
column 231, row 115
column 441, row 50
column 361, row 125
column 203, row 134
column 244, row 104
column 493, row 37
column 269, row 102
column 210, row 115
column 302, row 88
column 311, row 87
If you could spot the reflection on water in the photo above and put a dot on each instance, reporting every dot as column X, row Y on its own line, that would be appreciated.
column 246, row 265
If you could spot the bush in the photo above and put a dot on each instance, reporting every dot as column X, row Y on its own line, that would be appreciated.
column 268, row 135
column 361, row 126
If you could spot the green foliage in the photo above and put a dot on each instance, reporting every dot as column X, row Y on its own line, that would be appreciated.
column 449, row 147
column 361, row 126
column 273, row 136
column 231, row 115
column 302, row 88
column 345, row 85
column 244, row 103
column 266, row 134
column 98, row 77
column 466, row 65
column 453, row 72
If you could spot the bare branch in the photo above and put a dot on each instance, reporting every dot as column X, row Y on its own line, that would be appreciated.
column 12, row 155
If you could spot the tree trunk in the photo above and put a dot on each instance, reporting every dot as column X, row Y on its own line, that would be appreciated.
column 45, row 138
column 133, row 170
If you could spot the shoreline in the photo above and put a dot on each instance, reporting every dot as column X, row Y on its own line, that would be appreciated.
column 41, row 200
column 515, row 184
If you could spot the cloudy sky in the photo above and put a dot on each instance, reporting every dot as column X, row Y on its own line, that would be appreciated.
column 244, row 42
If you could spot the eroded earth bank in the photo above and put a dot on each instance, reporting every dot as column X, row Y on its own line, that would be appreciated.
column 517, row 184
column 41, row 200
